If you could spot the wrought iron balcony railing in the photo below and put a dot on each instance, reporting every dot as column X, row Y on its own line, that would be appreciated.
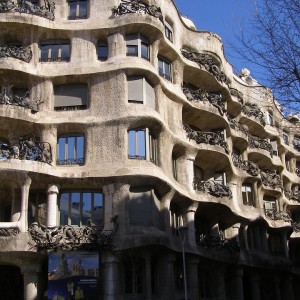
column 251, row 109
column 271, row 179
column 211, row 138
column 18, row 52
column 219, row 243
column 212, row 187
column 275, row 215
column 246, row 165
column 238, row 94
column 260, row 143
column 236, row 125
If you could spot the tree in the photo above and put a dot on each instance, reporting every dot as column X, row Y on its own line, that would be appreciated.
column 271, row 41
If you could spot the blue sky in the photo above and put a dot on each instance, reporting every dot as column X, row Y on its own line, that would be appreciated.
column 221, row 17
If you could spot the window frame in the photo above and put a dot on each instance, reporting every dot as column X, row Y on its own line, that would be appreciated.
column 168, row 31
column 150, row 145
column 103, row 45
column 70, row 203
column 285, row 138
column 137, row 41
column 70, row 161
column 48, row 47
column 245, row 194
column 78, row 14
column 163, row 65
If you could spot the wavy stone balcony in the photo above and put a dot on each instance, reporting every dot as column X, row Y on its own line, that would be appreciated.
column 47, row 11
column 137, row 6
column 207, row 62
column 260, row 143
column 210, row 138
column 28, row 148
column 293, row 194
column 212, row 187
column 271, row 179
column 252, row 110
column 276, row 215
column 219, row 243
column 246, row 165
column 200, row 95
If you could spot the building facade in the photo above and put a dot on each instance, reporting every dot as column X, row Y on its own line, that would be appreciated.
column 125, row 132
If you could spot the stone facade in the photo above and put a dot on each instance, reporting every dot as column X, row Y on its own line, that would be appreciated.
column 125, row 131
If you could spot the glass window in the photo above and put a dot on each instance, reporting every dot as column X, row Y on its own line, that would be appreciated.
column 77, row 9
column 285, row 137
column 141, row 145
column 270, row 119
column 168, row 31
column 270, row 207
column 37, row 208
column 174, row 166
column 71, row 96
column 220, row 178
column 248, row 194
column 137, row 45
column 80, row 207
column 70, row 150
column 51, row 51
column 164, row 68
column 274, row 147
column 102, row 51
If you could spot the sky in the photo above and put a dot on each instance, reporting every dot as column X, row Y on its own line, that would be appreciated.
column 222, row 17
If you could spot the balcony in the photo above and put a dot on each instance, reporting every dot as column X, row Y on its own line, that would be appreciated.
column 252, row 110
column 260, row 143
column 219, row 243
column 271, row 179
column 210, row 138
column 212, row 187
column 246, row 165
column 275, row 215
column 21, row 53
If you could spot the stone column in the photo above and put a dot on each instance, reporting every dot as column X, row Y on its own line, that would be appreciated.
column 116, row 45
column 30, row 285
column 190, row 221
column 148, row 276
column 255, row 286
column 237, row 285
column 25, row 185
column 52, row 205
column 166, row 274
column 15, row 206
column 111, row 277
column 165, row 207
column 192, row 278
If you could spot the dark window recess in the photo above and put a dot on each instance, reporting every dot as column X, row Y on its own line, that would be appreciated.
column 102, row 51
column 77, row 9
column 164, row 68
column 55, row 51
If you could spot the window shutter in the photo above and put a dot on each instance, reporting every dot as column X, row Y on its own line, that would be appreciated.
column 135, row 89
column 70, row 95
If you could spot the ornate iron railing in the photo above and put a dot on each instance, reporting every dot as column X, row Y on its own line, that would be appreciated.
column 260, row 143
column 275, row 215
column 202, row 95
column 296, row 226
column 297, row 171
column 271, row 179
column 236, row 125
column 251, row 109
column 70, row 161
column 211, row 138
column 207, row 62
column 69, row 237
column 138, row 6
column 24, row 6
column 238, row 94
column 21, row 53
column 219, row 243
column 293, row 195
column 246, row 165
column 212, row 187
column 28, row 148
column 7, row 97
column 296, row 143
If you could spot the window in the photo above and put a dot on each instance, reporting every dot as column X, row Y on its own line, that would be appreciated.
column 4, row 149
column 285, row 137
column 5, row 211
column 51, row 51
column 296, row 143
column 274, row 147
column 144, row 207
column 78, row 207
column 176, row 218
column 134, row 274
column 270, row 207
column 220, row 178
column 168, row 31
column 140, row 91
column 137, row 45
column 254, row 237
column 77, row 9
column 102, row 51
column 248, row 194
column 70, row 150
column 37, row 208
column 142, row 145
column 164, row 68
column 288, row 163
column 71, row 96
column 174, row 166
column 270, row 119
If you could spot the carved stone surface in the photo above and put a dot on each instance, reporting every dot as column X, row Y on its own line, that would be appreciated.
column 219, row 243
column 236, row 125
column 260, row 143
column 238, row 94
column 206, row 61
column 212, row 187
column 293, row 194
column 27, row 7
column 21, row 53
column 9, row 231
column 28, row 148
column 211, row 138
column 138, row 6
column 251, row 109
column 297, row 172
column 249, row 166
column 69, row 237
column 271, row 179
column 202, row 95
column 7, row 97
